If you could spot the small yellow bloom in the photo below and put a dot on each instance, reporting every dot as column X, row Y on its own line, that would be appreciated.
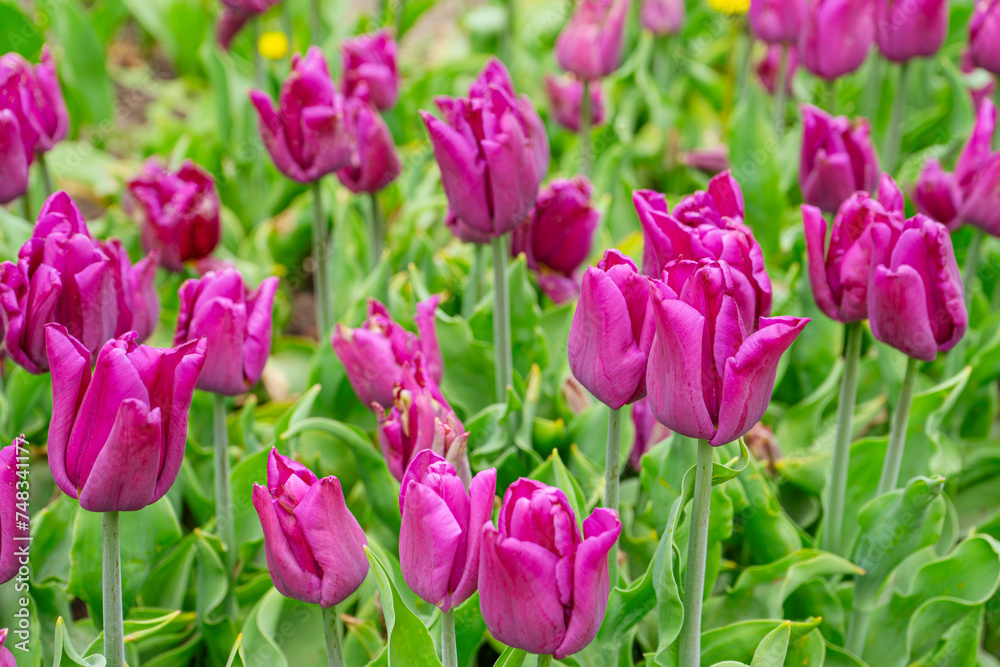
column 730, row 6
column 273, row 45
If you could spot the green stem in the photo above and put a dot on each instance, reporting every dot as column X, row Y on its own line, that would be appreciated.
column 745, row 46
column 26, row 205
column 475, row 289
column 956, row 357
column 781, row 92
column 689, row 640
column 508, row 35
column 43, row 169
column 321, row 278
column 830, row 92
column 897, row 438
column 857, row 630
column 893, row 148
column 114, row 624
column 449, row 647
column 833, row 530
column 586, row 140
column 317, row 23
column 223, row 499
column 544, row 660
column 258, row 59
column 378, row 228
column 503, row 358
column 332, row 630
column 873, row 89
column 612, row 470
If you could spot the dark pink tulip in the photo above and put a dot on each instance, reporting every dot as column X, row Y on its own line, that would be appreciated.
column 441, row 533
column 777, row 21
column 64, row 275
column 543, row 587
column 712, row 159
column 984, row 35
column 33, row 95
column 6, row 657
column 315, row 547
column 612, row 331
column 14, row 520
column 662, row 17
column 236, row 14
column 462, row 231
column 492, row 151
column 373, row 354
column 307, row 135
column 910, row 28
column 709, row 377
column 838, row 158
column 590, row 45
column 566, row 98
column 648, row 432
column 371, row 60
column 236, row 325
column 767, row 69
column 916, row 301
column 723, row 201
column 937, row 195
column 117, row 435
column 374, row 162
column 180, row 212
column 978, row 174
column 836, row 36
column 13, row 160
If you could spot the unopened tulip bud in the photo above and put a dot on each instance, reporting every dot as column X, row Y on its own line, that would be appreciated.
column 371, row 60
column 836, row 36
column 590, row 45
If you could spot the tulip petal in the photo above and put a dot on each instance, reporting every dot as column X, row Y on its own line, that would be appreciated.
column 425, row 319
column 286, row 573
column 463, row 174
column 26, row 336
column 898, row 312
column 257, row 346
column 69, row 364
column 429, row 540
column 9, row 528
column 14, row 164
column 482, row 493
column 815, row 233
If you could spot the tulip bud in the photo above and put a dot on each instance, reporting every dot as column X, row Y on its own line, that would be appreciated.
column 374, row 162
column 235, row 15
column 612, row 332
column 13, row 160
column 180, row 212
column 777, row 21
column 374, row 354
column 984, row 35
column 937, row 195
column 14, row 528
column 916, row 301
column 978, row 173
column 6, row 657
column 566, row 98
column 836, row 36
column 371, row 60
column 590, row 45
column 315, row 547
column 309, row 138
column 838, row 159
column 662, row 17
column 543, row 587
column 712, row 159
column 492, row 151
column 236, row 326
column 767, row 69
column 64, row 275
column 33, row 95
column 441, row 532
column 648, row 432
column 708, row 377
column 117, row 435
column 910, row 28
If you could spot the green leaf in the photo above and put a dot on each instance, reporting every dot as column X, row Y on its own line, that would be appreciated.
column 769, row 532
column 298, row 412
column 554, row 473
column 511, row 657
column 771, row 650
column 19, row 34
column 801, row 428
column 64, row 649
column 740, row 640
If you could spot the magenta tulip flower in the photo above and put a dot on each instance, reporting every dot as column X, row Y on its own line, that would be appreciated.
column 612, row 331
column 910, row 28
column 307, row 135
column 64, row 275
column 590, row 45
column 6, row 657
column 662, row 17
column 708, row 376
column 566, row 98
column 492, row 151
column 235, row 324
column 315, row 547
column 33, row 95
column 978, row 174
column 14, row 515
column 937, row 194
column 371, row 60
column 836, row 36
column 648, row 432
column 441, row 533
column 235, row 15
column 117, row 436
column 464, row 232
column 984, row 35
column 374, row 162
column 180, row 212
column 710, row 159
column 543, row 587
column 916, row 301
column 373, row 354
column 13, row 160
column 777, row 21
column 767, row 68
column 838, row 159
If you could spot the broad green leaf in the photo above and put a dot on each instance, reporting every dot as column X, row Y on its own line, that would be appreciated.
column 768, row 530
column 771, row 650
column 64, row 650
column 802, row 426
column 19, row 34
column 511, row 657
column 740, row 640
column 298, row 412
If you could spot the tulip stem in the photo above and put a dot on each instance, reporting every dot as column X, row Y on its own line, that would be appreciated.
column 333, row 629
column 508, row 35
column 449, row 647
column 503, row 358
column 586, row 143
column 893, row 148
column 897, row 438
column 857, row 630
column 223, row 504
column 970, row 270
column 612, row 469
column 321, row 279
column 694, row 577
column 317, row 23
column 544, row 660
column 43, row 169
column 780, row 93
column 378, row 228
column 114, row 624
column 26, row 205
column 830, row 91
column 833, row 529
column 475, row 289
column 258, row 59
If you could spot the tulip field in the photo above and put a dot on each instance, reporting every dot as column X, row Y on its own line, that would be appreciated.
column 464, row 333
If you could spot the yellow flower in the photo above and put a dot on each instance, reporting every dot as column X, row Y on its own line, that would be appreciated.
column 273, row 45
column 730, row 6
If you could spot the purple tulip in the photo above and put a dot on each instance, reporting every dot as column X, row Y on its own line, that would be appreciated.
column 462, row 231
column 235, row 15
column 590, row 45
column 14, row 519
column 307, row 136
column 711, row 159
column 33, row 95
column 662, row 17
column 492, row 152
column 916, row 301
column 648, row 432
column 978, row 174
column 236, row 326
column 371, row 60
column 6, row 657
column 910, row 28
column 984, row 35
column 937, row 194
column 566, row 98
column 612, row 331
column 836, row 36
column 838, row 159
column 441, row 533
column 180, row 212
column 374, row 162
column 777, row 21
column 13, row 160
column 64, row 275
column 767, row 68
column 117, row 435
column 543, row 587
column 708, row 377
column 373, row 355
column 315, row 547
